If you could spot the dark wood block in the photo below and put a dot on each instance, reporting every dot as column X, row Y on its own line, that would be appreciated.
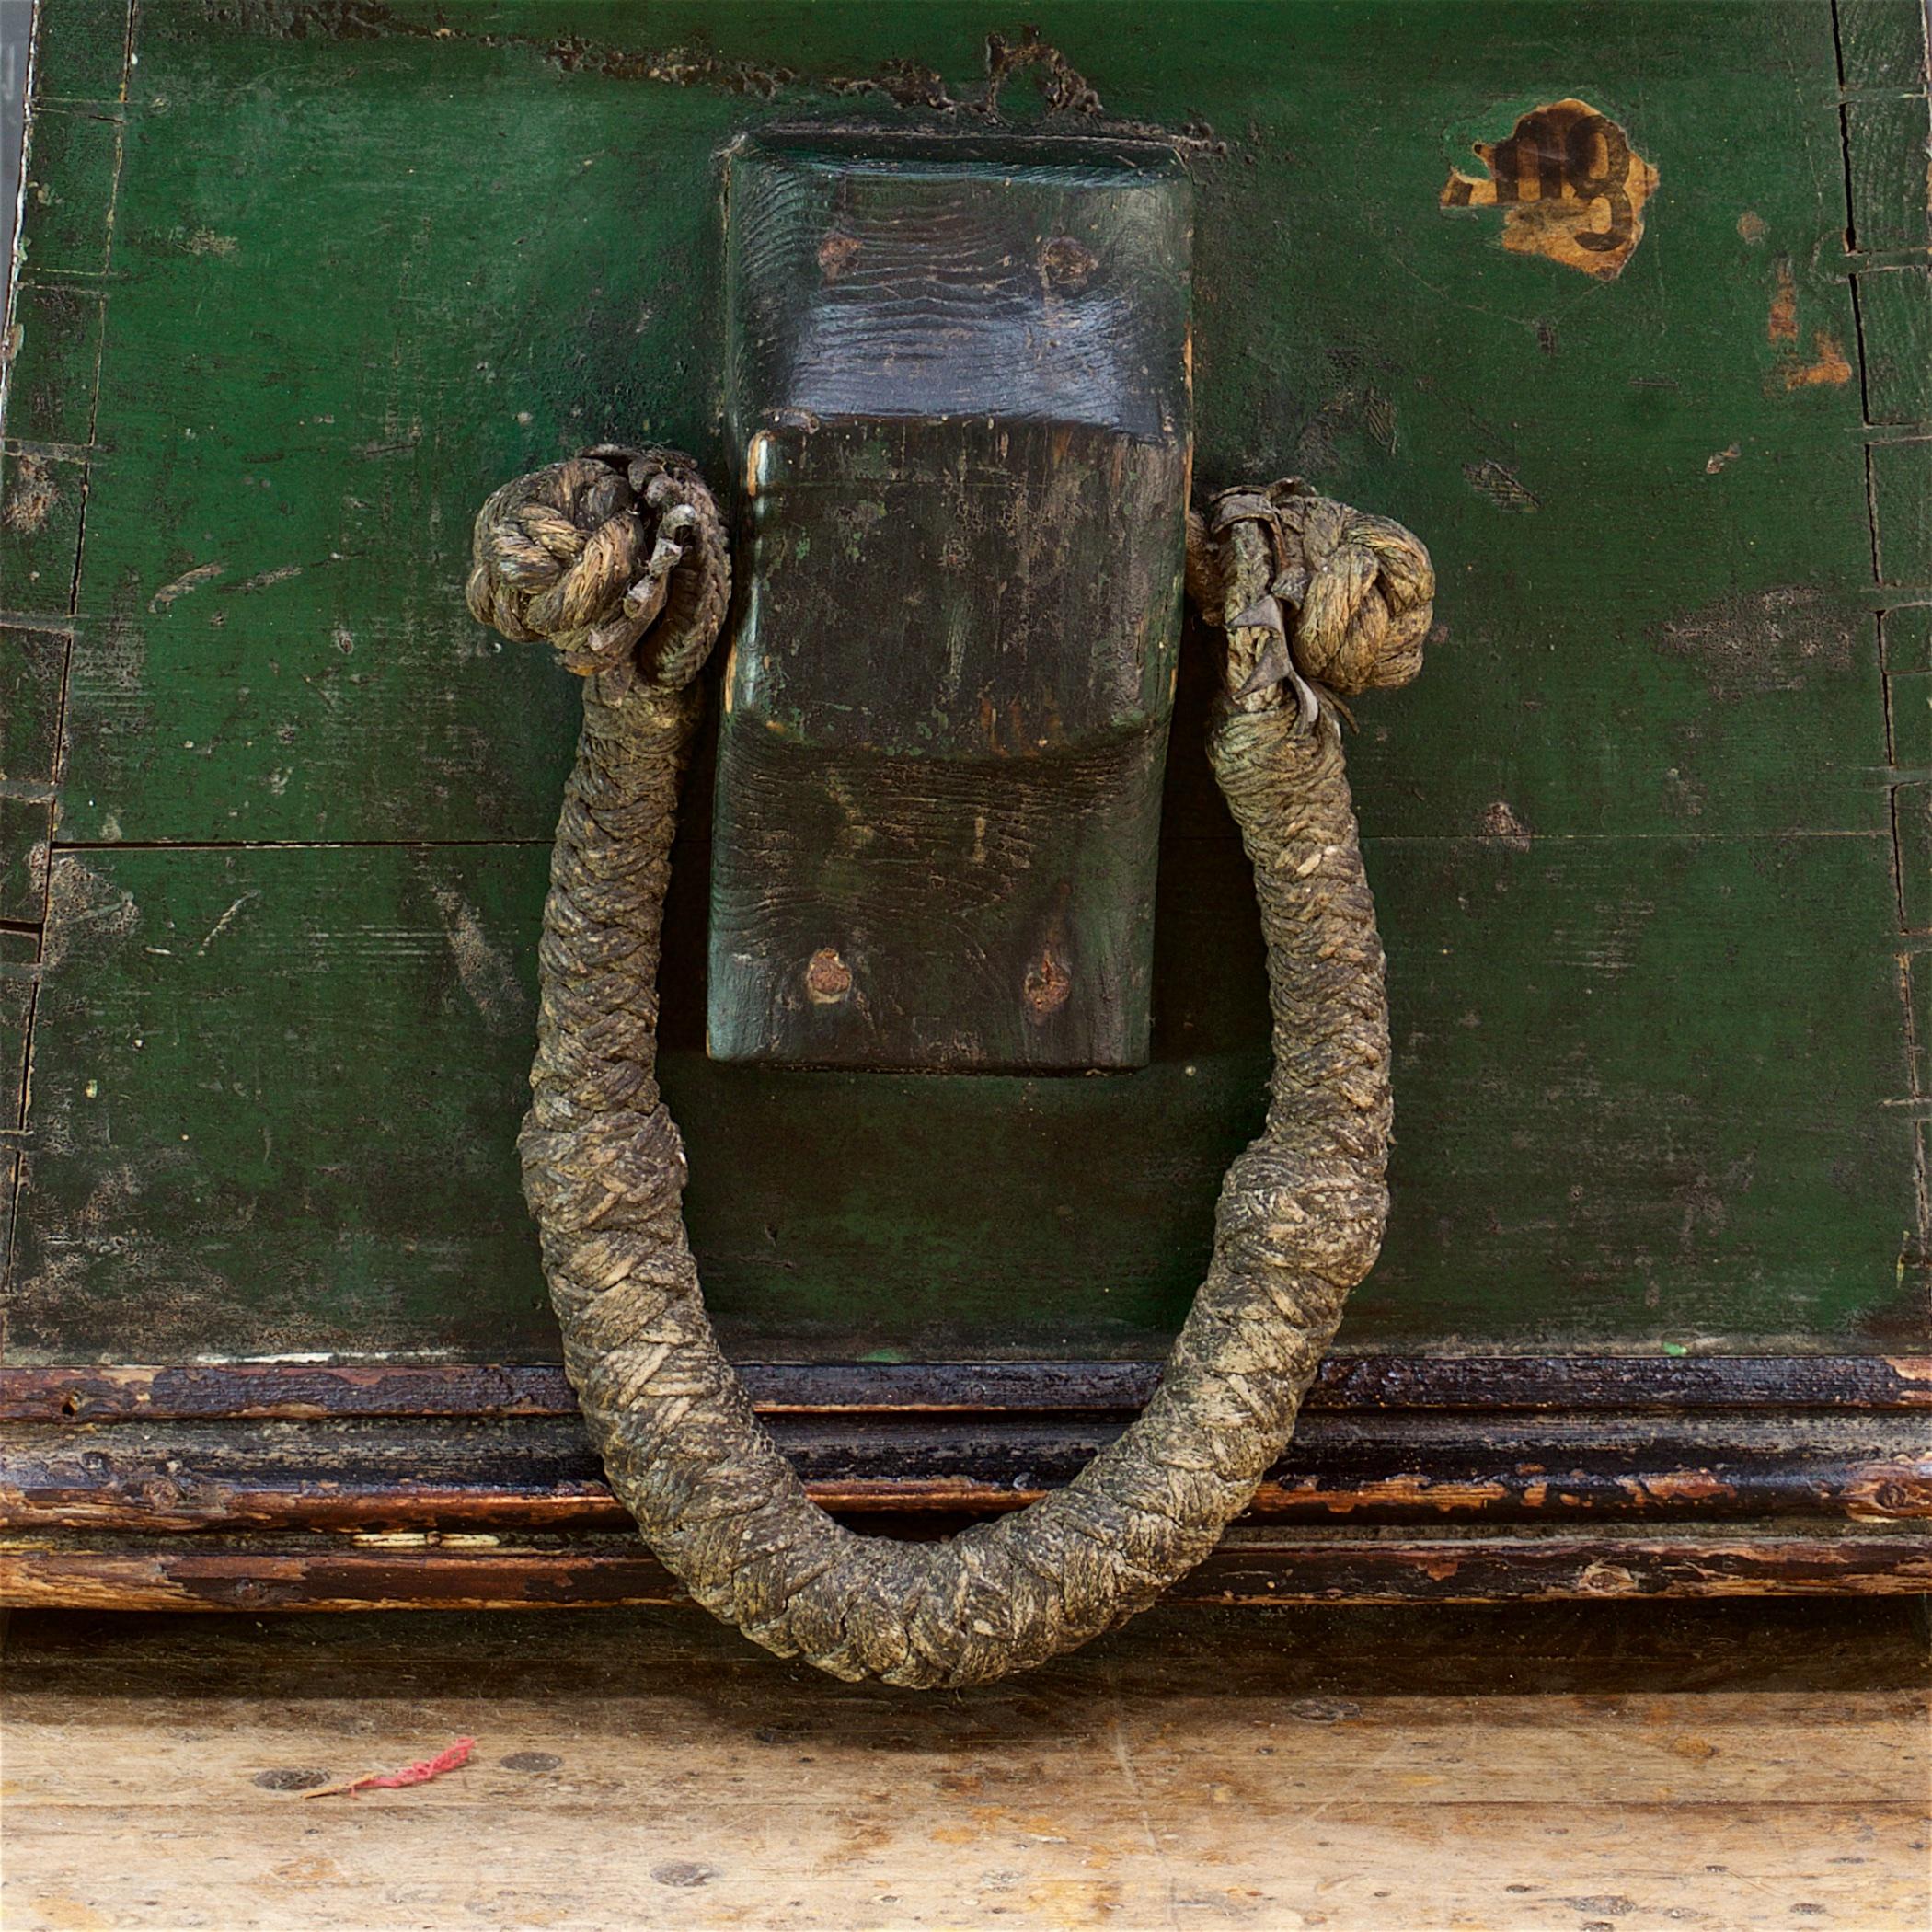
column 959, row 384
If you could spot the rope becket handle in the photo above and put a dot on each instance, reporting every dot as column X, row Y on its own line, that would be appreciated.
column 618, row 558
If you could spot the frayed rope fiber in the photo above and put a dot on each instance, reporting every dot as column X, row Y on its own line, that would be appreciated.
column 618, row 558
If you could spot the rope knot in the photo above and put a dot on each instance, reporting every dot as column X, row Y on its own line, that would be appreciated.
column 602, row 553
column 1347, row 596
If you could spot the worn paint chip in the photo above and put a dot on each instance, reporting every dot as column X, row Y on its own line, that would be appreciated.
column 1826, row 363
column 1571, row 184
column 1781, row 327
column 33, row 497
column 182, row 586
column 1501, row 823
column 1501, row 486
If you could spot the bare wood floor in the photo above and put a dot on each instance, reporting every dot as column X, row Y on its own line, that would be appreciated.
column 1593, row 1768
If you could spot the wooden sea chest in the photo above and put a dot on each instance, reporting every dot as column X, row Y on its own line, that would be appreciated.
column 300, row 281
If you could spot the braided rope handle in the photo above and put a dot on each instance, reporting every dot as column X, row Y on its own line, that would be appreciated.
column 619, row 557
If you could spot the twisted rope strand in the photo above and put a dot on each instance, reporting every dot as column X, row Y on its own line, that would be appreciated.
column 618, row 558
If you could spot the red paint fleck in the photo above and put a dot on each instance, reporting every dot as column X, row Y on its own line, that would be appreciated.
column 419, row 1773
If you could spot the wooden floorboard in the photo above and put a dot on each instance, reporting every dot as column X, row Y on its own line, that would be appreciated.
column 1591, row 1767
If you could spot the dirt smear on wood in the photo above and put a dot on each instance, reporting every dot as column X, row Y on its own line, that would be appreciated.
column 1769, row 640
column 33, row 497
column 905, row 83
column 487, row 976
column 1501, row 823
column 184, row 585
column 84, row 909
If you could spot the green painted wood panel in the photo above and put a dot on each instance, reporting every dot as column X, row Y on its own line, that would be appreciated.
column 26, row 825
column 383, row 340
column 81, row 52
column 33, row 666
column 1896, row 322
column 1633, row 831
column 67, row 196
column 57, row 329
column 278, row 1110
column 42, row 501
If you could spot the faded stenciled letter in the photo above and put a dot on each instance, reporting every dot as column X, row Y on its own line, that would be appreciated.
column 1570, row 184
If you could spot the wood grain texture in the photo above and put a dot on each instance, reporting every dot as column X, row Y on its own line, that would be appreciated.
column 1889, row 190
column 17, row 984
column 1352, row 1770
column 1345, row 1384
column 1881, row 45
column 960, row 406
column 72, row 157
column 80, row 51
column 55, row 339
column 33, row 669
column 19, row 976
column 25, row 826
column 1912, row 805
column 1895, row 325
column 43, row 498
column 1901, row 512
column 1741, row 1465
column 541, row 1475
column 1633, row 835
column 482, row 1571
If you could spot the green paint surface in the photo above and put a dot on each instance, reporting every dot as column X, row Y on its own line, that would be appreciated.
column 1632, row 831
